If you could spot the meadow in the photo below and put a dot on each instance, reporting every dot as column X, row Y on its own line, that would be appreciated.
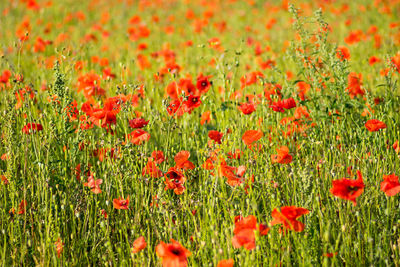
column 199, row 133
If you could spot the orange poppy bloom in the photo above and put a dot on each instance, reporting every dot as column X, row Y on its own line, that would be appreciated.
column 287, row 216
column 94, row 185
column 390, row 185
column 343, row 53
column 205, row 117
column 302, row 89
column 172, row 254
column 59, row 247
column 226, row 263
column 172, row 90
column 121, row 204
column 354, row 85
column 283, row 156
column 396, row 62
column 4, row 179
column 251, row 136
column 348, row 189
column 396, row 147
column 90, row 85
column 250, row 78
column 375, row 125
column 138, row 245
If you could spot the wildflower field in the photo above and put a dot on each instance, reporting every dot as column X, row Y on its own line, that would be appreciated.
column 199, row 133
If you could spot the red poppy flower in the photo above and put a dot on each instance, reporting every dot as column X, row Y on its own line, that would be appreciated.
column 203, row 83
column 31, row 128
column 182, row 160
column 283, row 156
column 152, row 170
column 104, row 213
column 375, row 125
column 138, row 136
column 288, row 103
column 94, row 185
column 354, row 37
column 250, row 78
column 172, row 254
column 247, row 108
column 373, row 60
column 244, row 232
column 191, row 103
column 176, row 107
column 280, row 106
column 235, row 154
column 90, row 85
column 390, row 185
column 276, row 106
column 107, row 73
column 108, row 114
column 233, row 174
column 121, row 204
column 138, row 123
column 139, row 244
column 174, row 179
column 186, row 85
column 5, row 76
column 287, row 216
column 22, row 207
column 216, row 136
column 348, row 189
column 330, row 254
column 158, row 156
column 103, row 118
